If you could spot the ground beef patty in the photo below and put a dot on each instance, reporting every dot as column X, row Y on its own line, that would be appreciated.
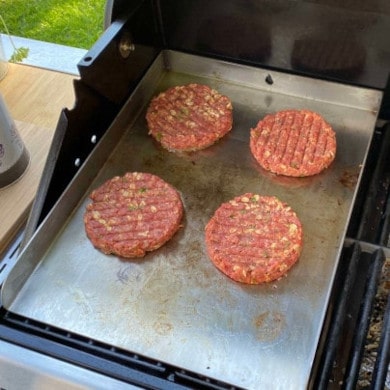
column 133, row 214
column 189, row 117
column 254, row 239
column 293, row 143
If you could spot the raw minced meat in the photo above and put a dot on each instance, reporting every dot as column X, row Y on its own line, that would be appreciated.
column 133, row 214
column 254, row 239
column 293, row 143
column 189, row 117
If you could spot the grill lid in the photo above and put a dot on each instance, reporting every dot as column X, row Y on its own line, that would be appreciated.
column 340, row 40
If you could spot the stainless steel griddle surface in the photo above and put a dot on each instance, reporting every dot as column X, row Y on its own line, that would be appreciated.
column 174, row 305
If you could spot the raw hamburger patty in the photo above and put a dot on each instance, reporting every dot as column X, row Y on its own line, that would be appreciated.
column 133, row 214
column 189, row 117
column 254, row 239
column 293, row 143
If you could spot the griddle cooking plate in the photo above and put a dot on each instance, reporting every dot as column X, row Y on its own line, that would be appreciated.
column 174, row 305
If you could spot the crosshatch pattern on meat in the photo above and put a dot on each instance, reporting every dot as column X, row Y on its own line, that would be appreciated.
column 254, row 239
column 294, row 143
column 189, row 117
column 133, row 214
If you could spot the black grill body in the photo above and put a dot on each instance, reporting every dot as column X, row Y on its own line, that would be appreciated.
column 281, row 35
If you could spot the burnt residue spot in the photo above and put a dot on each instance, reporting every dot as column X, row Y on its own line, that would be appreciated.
column 269, row 325
column 349, row 178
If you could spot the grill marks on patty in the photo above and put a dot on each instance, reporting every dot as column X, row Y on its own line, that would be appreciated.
column 133, row 214
column 189, row 117
column 254, row 239
column 293, row 143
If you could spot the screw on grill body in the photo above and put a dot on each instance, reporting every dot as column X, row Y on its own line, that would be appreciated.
column 126, row 45
column 269, row 80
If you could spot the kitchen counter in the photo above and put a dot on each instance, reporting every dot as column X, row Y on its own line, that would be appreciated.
column 35, row 98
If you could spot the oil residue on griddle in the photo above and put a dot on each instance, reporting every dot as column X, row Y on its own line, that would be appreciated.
column 269, row 325
column 349, row 177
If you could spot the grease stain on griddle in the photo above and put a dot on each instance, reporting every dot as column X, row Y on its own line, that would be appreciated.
column 349, row 177
column 129, row 274
column 162, row 327
column 269, row 325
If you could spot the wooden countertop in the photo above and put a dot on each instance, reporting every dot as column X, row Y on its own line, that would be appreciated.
column 35, row 98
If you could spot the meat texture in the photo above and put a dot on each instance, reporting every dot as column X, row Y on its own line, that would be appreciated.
column 294, row 143
column 254, row 239
column 133, row 214
column 189, row 117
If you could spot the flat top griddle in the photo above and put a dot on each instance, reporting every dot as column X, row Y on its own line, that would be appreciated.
column 174, row 305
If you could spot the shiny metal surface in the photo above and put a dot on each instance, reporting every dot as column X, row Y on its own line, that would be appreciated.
column 22, row 368
column 173, row 305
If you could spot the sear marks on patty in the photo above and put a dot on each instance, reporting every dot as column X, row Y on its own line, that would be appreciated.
column 254, row 239
column 133, row 214
column 294, row 143
column 189, row 117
